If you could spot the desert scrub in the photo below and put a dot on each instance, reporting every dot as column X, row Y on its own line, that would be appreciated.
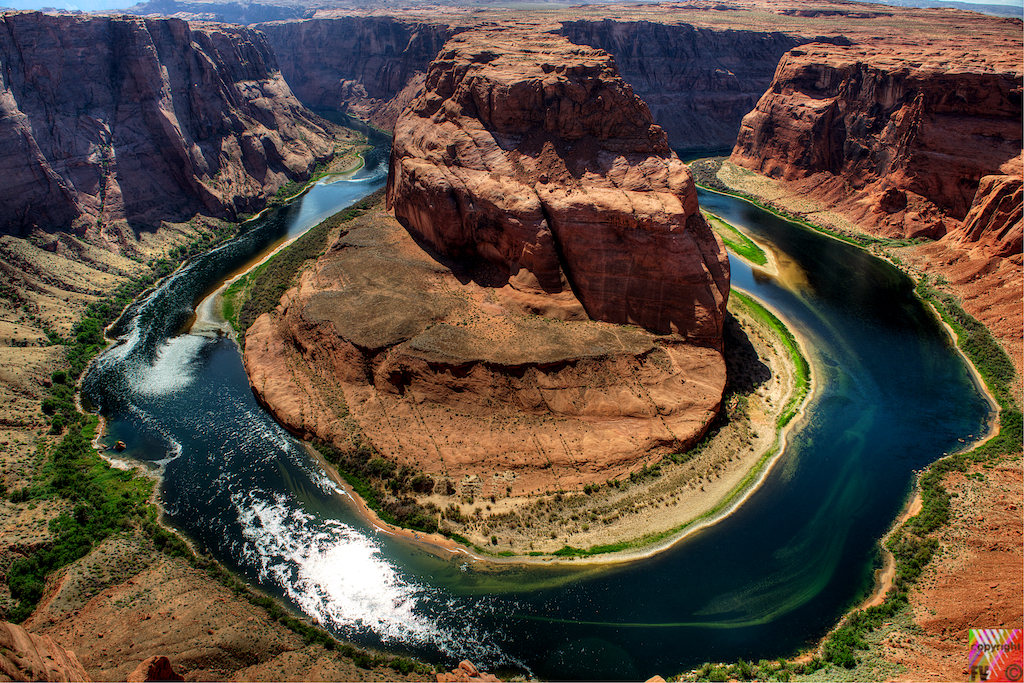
column 105, row 501
column 387, row 488
column 991, row 361
column 260, row 291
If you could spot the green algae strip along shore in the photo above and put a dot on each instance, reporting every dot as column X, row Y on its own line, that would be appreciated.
column 737, row 242
column 800, row 393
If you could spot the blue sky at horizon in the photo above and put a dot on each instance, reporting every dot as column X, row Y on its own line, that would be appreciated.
column 93, row 5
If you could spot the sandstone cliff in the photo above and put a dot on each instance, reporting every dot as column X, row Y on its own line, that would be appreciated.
column 28, row 657
column 534, row 154
column 118, row 120
column 994, row 223
column 897, row 138
column 698, row 82
column 437, row 366
column 370, row 67
column 542, row 199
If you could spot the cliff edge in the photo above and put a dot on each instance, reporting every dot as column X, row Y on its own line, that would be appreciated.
column 118, row 121
column 534, row 154
column 898, row 139
column 481, row 343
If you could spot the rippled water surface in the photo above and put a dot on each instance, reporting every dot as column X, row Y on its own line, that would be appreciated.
column 892, row 396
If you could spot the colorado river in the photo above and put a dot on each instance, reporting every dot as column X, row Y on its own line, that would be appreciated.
column 892, row 396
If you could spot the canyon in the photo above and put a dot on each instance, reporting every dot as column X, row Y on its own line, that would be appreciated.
column 898, row 123
column 892, row 130
column 112, row 124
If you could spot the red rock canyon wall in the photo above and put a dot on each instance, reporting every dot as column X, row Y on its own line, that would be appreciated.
column 141, row 120
column 899, row 139
column 536, row 155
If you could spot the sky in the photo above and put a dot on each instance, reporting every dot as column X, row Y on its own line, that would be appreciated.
column 92, row 5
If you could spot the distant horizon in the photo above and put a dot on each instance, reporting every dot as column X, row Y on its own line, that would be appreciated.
column 99, row 5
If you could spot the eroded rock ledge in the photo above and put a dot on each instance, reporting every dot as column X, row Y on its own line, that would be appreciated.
column 531, row 181
column 534, row 154
column 432, row 363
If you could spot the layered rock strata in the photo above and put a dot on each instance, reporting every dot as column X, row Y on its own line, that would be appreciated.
column 25, row 656
column 698, row 82
column 116, row 120
column 438, row 367
column 898, row 139
column 534, row 154
column 370, row 67
column 540, row 205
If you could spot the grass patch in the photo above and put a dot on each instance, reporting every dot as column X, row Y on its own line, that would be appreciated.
column 105, row 501
column 802, row 370
column 736, row 241
column 294, row 188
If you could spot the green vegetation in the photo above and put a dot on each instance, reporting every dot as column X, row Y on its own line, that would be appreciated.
column 764, row 670
column 294, row 188
column 385, row 487
column 801, row 369
column 705, row 171
column 991, row 361
column 736, row 241
column 260, row 291
column 105, row 501
column 912, row 545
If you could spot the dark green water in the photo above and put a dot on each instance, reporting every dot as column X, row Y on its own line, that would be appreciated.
column 892, row 396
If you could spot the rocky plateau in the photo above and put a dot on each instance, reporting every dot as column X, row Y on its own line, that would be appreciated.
column 899, row 119
column 541, row 205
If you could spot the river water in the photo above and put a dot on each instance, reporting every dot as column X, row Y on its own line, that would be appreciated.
column 892, row 396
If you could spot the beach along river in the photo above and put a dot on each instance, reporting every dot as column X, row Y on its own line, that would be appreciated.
column 892, row 395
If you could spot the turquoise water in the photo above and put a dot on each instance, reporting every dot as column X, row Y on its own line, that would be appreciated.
column 892, row 396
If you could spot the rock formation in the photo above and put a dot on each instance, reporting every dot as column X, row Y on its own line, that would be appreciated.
column 466, row 672
column 994, row 222
column 440, row 367
column 534, row 154
column 155, row 668
column 118, row 120
column 698, row 82
column 898, row 138
column 370, row 67
column 27, row 657
column 535, row 182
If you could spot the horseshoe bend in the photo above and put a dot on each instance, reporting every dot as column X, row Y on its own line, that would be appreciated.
column 545, row 310
column 529, row 342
